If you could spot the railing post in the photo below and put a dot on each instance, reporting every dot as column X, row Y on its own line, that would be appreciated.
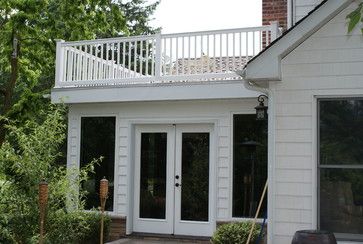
column 158, row 56
column 59, row 62
column 274, row 26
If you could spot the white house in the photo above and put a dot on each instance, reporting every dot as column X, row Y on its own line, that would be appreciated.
column 174, row 117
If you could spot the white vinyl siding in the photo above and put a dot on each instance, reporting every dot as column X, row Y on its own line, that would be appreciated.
column 327, row 64
column 302, row 7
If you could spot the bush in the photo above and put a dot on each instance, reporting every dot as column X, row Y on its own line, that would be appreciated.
column 31, row 153
column 76, row 227
column 235, row 233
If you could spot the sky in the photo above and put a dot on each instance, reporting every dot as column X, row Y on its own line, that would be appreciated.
column 176, row 16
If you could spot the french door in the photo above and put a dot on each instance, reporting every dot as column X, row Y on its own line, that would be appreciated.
column 173, row 179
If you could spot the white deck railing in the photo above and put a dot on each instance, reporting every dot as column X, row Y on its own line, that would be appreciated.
column 207, row 55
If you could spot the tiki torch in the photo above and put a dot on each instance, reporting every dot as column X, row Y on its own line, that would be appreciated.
column 43, row 200
column 103, row 197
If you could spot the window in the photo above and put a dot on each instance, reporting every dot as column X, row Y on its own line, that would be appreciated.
column 98, row 139
column 341, row 166
column 249, row 164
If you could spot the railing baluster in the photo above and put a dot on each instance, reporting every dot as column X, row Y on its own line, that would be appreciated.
column 214, row 53
column 118, row 61
column 234, row 52
column 220, row 53
column 189, row 55
column 147, row 58
column 129, row 66
column 141, row 57
column 113, row 60
column 176, row 56
column 247, row 57
column 123, row 59
column 208, row 55
column 253, row 43
column 153, row 51
column 171, row 56
column 182, row 57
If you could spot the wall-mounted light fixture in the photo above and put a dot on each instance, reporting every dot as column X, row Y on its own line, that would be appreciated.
column 261, row 109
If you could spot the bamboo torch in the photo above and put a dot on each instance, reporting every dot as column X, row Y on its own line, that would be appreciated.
column 43, row 200
column 103, row 197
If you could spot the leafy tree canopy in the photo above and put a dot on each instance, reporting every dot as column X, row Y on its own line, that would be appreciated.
column 29, row 29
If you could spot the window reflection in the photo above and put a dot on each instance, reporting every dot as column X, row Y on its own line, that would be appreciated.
column 340, row 163
column 153, row 175
column 98, row 139
column 249, row 164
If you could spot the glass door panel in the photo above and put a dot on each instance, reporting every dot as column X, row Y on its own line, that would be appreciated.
column 153, row 175
column 195, row 175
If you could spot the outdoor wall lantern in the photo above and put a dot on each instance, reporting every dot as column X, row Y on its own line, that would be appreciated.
column 261, row 109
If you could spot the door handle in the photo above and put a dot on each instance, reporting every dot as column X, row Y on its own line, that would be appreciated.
column 177, row 184
column 177, row 177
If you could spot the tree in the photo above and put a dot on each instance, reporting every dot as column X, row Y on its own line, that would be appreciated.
column 28, row 30
column 355, row 17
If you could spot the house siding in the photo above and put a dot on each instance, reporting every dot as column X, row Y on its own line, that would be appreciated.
column 329, row 63
column 129, row 114
column 302, row 7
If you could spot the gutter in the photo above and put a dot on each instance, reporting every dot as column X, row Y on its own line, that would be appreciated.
column 251, row 85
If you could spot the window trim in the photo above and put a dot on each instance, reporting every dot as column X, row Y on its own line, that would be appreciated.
column 339, row 236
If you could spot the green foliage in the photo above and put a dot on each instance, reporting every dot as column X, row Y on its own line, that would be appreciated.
column 28, row 30
column 355, row 17
column 235, row 233
column 30, row 154
column 76, row 227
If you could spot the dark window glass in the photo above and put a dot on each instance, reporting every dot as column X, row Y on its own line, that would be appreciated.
column 98, row 139
column 249, row 164
column 195, row 176
column 341, row 166
column 153, row 175
column 341, row 200
column 341, row 131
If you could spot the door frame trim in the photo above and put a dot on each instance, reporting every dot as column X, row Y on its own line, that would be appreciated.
column 132, row 123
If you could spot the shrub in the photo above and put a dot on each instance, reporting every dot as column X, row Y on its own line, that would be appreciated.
column 235, row 233
column 31, row 153
column 76, row 227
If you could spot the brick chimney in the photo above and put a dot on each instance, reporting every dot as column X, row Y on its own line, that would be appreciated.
column 274, row 10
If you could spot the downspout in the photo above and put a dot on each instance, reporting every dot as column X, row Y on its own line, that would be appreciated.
column 250, row 85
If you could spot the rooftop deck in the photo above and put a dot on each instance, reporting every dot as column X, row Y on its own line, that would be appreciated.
column 160, row 58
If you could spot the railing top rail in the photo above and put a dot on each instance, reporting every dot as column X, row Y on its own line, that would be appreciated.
column 220, row 31
column 108, row 40
column 150, row 37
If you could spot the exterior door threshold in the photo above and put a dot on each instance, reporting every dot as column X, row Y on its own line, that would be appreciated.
column 162, row 237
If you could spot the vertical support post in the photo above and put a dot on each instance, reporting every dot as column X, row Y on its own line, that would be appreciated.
column 274, row 26
column 43, row 200
column 59, row 62
column 158, row 55
column 103, row 197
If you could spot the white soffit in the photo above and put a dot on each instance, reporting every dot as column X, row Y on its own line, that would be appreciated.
column 161, row 92
column 266, row 66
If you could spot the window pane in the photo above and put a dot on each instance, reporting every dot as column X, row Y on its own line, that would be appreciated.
column 341, row 200
column 341, row 131
column 98, row 139
column 249, row 164
column 195, row 176
column 153, row 175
